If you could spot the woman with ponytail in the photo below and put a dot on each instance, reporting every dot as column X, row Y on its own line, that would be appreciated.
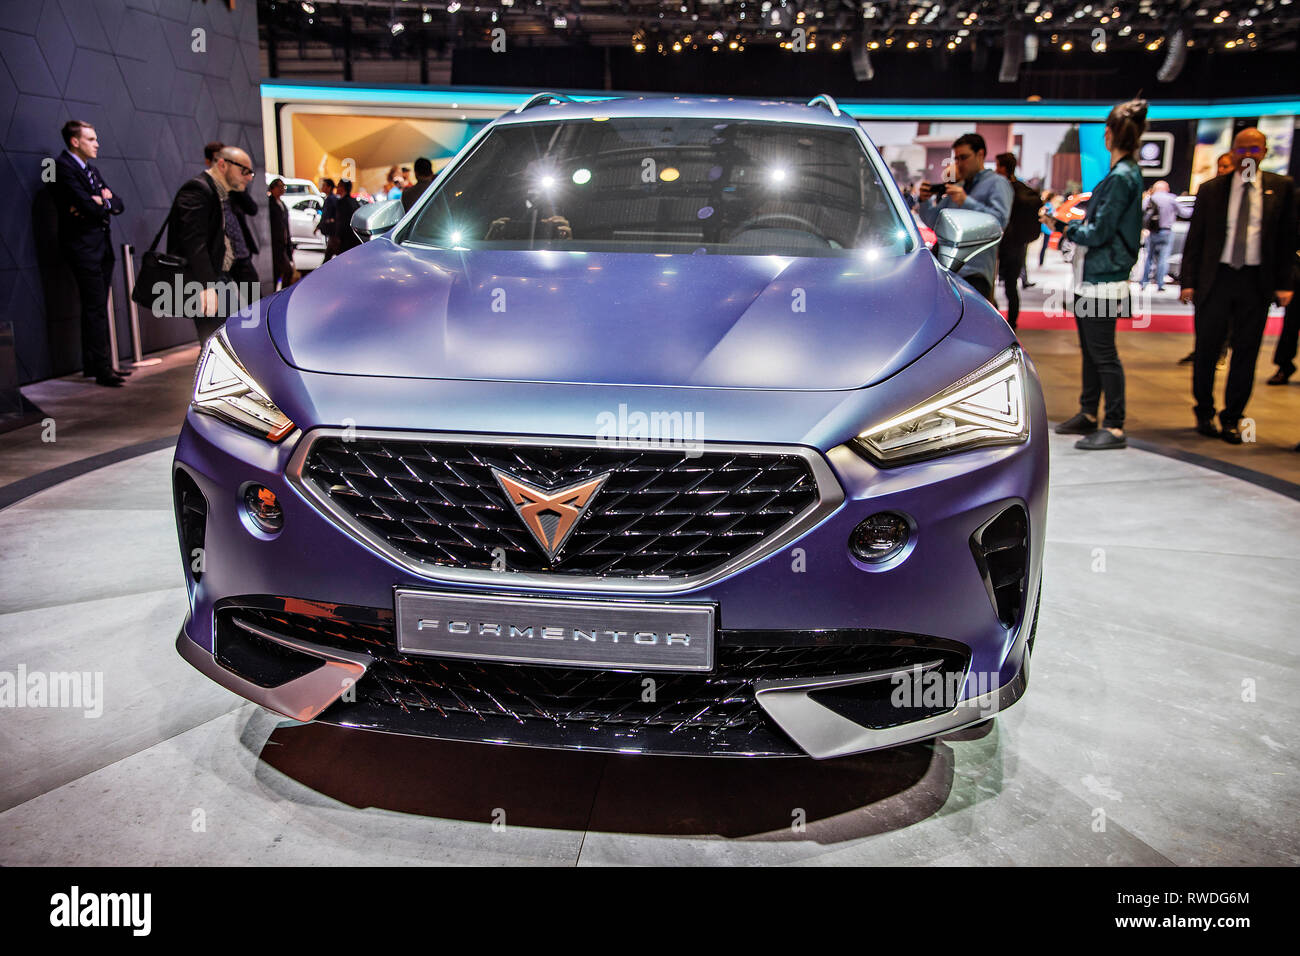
column 1107, row 243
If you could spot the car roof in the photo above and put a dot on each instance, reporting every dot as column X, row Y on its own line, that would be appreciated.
column 697, row 107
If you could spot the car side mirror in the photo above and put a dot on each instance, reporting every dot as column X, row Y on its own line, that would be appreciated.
column 376, row 217
column 963, row 234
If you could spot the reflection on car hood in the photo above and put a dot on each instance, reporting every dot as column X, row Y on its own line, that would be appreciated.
column 615, row 318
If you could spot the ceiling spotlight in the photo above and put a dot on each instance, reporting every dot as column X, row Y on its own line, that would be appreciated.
column 453, row 6
column 395, row 27
column 309, row 8
column 426, row 16
column 561, row 22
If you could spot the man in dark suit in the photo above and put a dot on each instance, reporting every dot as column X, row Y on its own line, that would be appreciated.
column 244, row 206
column 85, row 206
column 1237, row 259
column 281, row 240
column 329, row 217
column 203, row 228
column 345, row 235
column 423, row 178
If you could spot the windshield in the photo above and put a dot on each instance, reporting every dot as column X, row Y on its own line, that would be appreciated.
column 665, row 185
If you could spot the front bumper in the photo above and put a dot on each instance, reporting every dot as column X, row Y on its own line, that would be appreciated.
column 848, row 635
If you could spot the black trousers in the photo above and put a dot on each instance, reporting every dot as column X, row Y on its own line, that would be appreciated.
column 281, row 265
column 94, row 283
column 1235, row 311
column 982, row 286
column 1103, row 372
column 1284, row 354
column 1011, row 263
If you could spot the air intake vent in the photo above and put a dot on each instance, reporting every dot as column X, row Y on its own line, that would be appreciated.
column 1001, row 549
column 191, row 523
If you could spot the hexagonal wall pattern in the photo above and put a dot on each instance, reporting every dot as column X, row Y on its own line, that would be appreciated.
column 156, row 91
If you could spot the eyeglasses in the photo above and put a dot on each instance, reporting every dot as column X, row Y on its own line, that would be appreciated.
column 246, row 170
column 1248, row 150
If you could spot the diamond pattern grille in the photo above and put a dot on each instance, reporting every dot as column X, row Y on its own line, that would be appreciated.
column 660, row 513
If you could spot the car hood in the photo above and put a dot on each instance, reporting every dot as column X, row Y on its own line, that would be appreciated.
column 769, row 322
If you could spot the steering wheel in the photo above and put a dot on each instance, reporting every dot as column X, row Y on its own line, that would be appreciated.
column 769, row 220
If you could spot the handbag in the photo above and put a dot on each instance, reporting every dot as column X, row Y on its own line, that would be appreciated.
column 161, row 267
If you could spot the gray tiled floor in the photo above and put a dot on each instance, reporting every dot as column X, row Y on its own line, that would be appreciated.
column 1169, row 593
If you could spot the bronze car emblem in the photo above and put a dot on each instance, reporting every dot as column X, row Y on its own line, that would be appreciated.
column 549, row 513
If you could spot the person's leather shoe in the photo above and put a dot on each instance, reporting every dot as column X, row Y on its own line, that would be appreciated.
column 1080, row 424
column 110, row 380
column 1280, row 377
column 1187, row 359
column 1206, row 427
column 1101, row 439
column 1231, row 434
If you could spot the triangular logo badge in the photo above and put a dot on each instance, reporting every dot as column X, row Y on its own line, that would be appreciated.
column 549, row 513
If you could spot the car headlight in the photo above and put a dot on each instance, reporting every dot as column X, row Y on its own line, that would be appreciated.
column 223, row 388
column 987, row 407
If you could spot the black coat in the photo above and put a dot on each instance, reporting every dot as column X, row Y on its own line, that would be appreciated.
column 196, row 229
column 348, row 238
column 84, row 234
column 279, row 220
column 1208, row 232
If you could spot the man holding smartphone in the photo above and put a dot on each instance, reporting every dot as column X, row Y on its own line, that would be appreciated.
column 968, row 185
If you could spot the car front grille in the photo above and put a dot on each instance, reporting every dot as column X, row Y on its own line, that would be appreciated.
column 661, row 514
column 713, row 713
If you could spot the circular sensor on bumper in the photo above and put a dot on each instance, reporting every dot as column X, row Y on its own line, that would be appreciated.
column 263, row 508
column 879, row 537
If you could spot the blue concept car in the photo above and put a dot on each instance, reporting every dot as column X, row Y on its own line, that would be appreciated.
column 652, row 427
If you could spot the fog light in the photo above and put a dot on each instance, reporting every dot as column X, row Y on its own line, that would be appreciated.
column 263, row 508
column 879, row 537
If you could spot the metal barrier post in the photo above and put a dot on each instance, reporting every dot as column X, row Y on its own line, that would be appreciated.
column 129, row 274
column 112, row 333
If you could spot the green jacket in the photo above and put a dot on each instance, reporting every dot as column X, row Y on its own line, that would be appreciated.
column 1112, row 231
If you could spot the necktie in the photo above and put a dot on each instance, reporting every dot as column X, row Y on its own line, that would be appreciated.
column 1243, row 223
column 233, row 231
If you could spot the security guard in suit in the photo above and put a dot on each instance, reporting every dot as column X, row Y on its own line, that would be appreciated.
column 1237, row 259
column 85, row 206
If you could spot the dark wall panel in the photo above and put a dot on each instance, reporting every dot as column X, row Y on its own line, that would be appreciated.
column 129, row 68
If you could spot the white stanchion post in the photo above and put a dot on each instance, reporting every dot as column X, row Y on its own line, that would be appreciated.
column 112, row 333
column 129, row 273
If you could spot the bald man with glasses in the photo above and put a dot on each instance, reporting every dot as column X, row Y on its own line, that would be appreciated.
column 1237, row 260
column 204, row 228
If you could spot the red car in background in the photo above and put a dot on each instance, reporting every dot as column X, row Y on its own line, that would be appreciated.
column 1071, row 210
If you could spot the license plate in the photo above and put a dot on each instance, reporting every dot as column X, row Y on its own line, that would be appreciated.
column 575, row 633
